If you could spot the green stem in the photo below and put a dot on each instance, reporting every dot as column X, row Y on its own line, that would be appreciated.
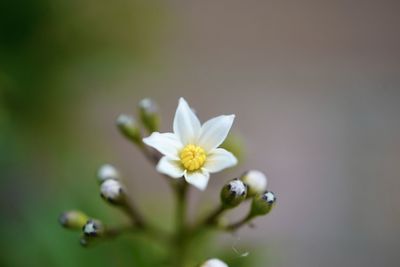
column 180, row 238
column 235, row 226
column 213, row 217
column 209, row 221
column 134, row 214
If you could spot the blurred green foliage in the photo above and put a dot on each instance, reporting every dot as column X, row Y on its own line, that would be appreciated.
column 43, row 44
column 46, row 46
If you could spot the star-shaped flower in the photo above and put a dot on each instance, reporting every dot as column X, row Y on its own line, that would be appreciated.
column 191, row 151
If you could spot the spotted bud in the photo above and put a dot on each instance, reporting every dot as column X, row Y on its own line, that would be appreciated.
column 107, row 172
column 263, row 203
column 233, row 193
column 73, row 219
column 93, row 228
column 129, row 128
column 214, row 263
column 112, row 191
column 148, row 110
column 256, row 182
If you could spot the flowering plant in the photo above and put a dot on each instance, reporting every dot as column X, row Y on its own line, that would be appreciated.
column 186, row 157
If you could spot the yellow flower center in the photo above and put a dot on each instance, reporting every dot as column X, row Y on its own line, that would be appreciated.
column 193, row 157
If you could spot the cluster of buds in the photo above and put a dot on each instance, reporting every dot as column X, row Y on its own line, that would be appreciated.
column 113, row 192
column 252, row 185
column 79, row 221
column 111, row 188
column 191, row 152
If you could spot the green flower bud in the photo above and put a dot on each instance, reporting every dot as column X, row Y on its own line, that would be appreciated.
column 233, row 193
column 107, row 172
column 93, row 228
column 73, row 219
column 129, row 128
column 262, row 204
column 148, row 110
column 256, row 182
column 112, row 191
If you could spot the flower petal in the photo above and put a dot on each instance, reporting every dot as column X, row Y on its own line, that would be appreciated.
column 214, row 131
column 166, row 143
column 219, row 159
column 198, row 179
column 186, row 124
column 170, row 167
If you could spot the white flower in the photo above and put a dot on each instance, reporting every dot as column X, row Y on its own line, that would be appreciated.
column 256, row 180
column 214, row 263
column 191, row 151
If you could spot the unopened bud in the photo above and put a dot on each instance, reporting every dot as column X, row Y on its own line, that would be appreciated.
column 233, row 193
column 107, row 172
column 112, row 191
column 256, row 182
column 214, row 263
column 93, row 228
column 73, row 219
column 128, row 127
column 149, row 114
column 262, row 204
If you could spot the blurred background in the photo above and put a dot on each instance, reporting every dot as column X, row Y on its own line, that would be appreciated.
column 315, row 86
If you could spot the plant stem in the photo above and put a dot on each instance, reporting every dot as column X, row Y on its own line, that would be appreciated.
column 209, row 221
column 180, row 238
column 235, row 226
column 212, row 218
column 136, row 217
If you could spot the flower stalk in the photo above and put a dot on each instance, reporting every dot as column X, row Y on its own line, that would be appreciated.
column 189, row 155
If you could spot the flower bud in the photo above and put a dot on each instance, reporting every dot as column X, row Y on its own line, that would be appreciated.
column 214, row 263
column 262, row 204
column 128, row 127
column 93, row 228
column 233, row 193
column 112, row 191
column 73, row 219
column 256, row 182
column 107, row 172
column 149, row 114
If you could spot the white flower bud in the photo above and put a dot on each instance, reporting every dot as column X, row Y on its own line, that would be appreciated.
column 112, row 191
column 237, row 187
column 214, row 263
column 256, row 181
column 262, row 204
column 233, row 193
column 93, row 228
column 269, row 197
column 128, row 127
column 148, row 110
column 148, row 105
column 107, row 172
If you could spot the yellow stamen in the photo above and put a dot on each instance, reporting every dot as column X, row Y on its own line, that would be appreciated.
column 193, row 157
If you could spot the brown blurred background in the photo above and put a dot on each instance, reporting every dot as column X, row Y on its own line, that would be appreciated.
column 315, row 86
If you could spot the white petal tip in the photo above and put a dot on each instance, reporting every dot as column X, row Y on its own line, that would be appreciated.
column 198, row 179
